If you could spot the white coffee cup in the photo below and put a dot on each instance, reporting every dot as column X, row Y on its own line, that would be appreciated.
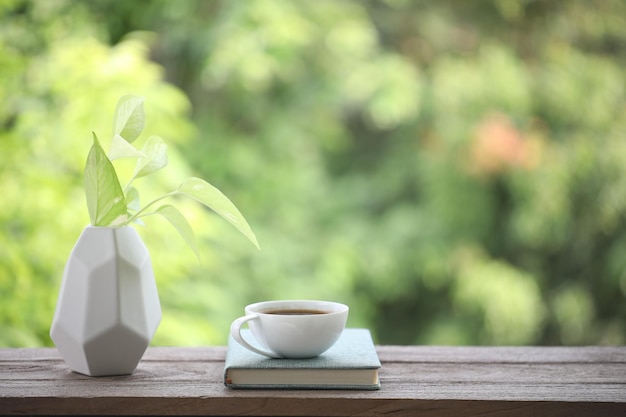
column 292, row 328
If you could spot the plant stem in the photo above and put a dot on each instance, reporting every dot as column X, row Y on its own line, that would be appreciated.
column 129, row 183
column 144, row 208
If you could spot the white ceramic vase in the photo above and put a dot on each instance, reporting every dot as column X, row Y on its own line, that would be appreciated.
column 108, row 307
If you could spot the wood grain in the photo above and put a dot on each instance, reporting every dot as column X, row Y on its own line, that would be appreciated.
column 416, row 380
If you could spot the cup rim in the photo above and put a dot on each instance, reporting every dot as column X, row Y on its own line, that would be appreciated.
column 337, row 308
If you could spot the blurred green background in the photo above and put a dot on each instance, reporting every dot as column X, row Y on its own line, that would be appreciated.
column 454, row 171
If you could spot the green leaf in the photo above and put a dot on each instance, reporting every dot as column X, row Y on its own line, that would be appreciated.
column 179, row 222
column 121, row 148
column 105, row 197
column 155, row 152
column 132, row 199
column 205, row 193
column 129, row 118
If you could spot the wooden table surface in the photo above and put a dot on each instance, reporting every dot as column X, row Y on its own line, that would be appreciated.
column 416, row 380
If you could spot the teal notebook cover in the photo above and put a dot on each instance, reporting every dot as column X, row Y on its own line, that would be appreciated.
column 351, row 363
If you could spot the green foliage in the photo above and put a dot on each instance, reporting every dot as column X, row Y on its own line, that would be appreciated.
column 454, row 171
column 105, row 197
column 491, row 289
column 107, row 202
column 129, row 119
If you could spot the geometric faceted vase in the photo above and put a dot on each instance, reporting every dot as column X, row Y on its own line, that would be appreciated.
column 108, row 307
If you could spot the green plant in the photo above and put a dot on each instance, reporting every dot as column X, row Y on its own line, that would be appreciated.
column 110, row 205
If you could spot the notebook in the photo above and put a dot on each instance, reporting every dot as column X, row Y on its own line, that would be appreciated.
column 351, row 363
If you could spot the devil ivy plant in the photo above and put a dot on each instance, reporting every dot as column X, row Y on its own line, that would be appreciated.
column 111, row 205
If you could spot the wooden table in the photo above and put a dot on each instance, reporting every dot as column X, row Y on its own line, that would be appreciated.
column 424, row 381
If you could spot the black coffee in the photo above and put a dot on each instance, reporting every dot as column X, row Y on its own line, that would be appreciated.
column 294, row 311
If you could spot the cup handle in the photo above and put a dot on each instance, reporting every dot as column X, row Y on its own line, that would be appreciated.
column 235, row 332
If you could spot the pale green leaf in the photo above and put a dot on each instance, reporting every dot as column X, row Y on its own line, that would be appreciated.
column 121, row 148
column 132, row 199
column 155, row 151
column 205, row 193
column 179, row 222
column 129, row 118
column 105, row 197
